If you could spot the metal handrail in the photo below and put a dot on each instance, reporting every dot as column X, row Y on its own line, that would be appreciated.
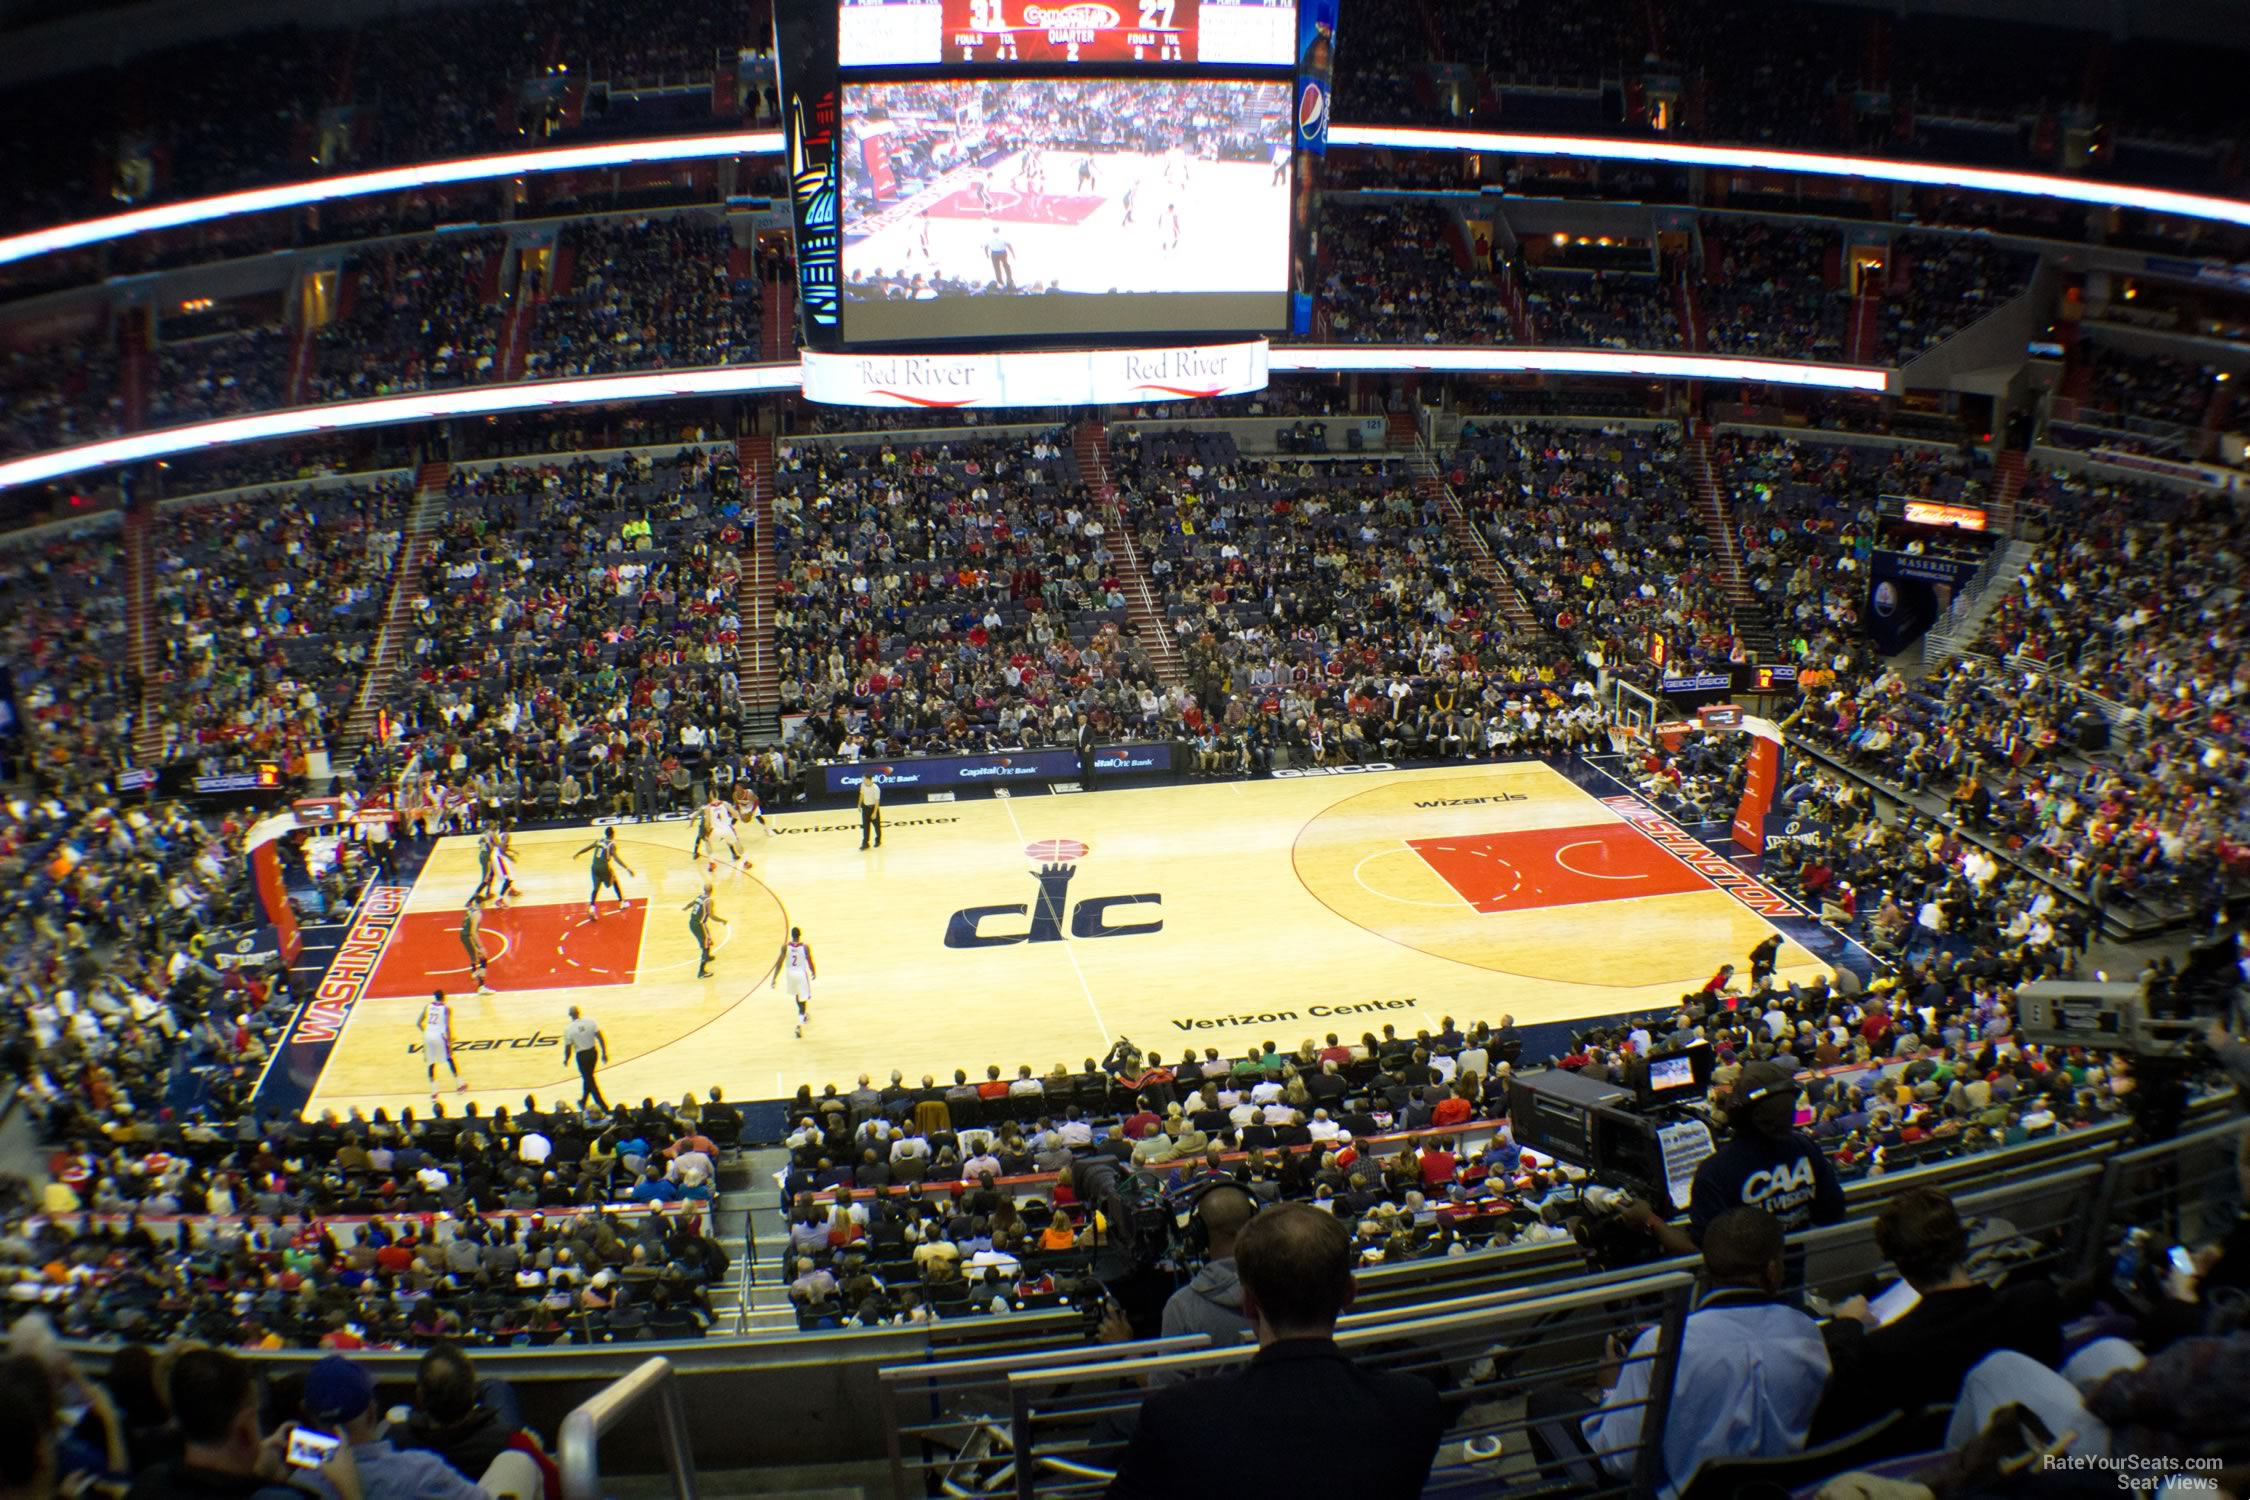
column 578, row 1454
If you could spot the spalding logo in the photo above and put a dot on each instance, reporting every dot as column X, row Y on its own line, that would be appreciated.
column 1312, row 111
column 1072, row 17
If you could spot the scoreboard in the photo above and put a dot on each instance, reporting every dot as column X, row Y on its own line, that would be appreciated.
column 1013, row 33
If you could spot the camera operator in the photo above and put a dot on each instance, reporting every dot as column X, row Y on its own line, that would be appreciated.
column 1767, row 1163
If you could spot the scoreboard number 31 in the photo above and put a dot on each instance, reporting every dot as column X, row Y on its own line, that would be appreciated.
column 992, row 15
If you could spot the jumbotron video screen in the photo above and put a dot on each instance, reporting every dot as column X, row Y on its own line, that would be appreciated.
column 980, row 208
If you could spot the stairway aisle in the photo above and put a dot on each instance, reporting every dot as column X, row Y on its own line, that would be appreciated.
column 390, row 642
column 139, row 535
column 754, row 1207
column 1089, row 445
column 1753, row 624
column 1429, row 482
column 777, row 322
column 2008, row 473
column 758, row 670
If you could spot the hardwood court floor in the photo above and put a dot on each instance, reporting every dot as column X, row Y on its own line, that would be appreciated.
column 1036, row 929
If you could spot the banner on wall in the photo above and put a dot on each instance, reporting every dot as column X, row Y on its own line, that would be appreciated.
column 1062, row 377
column 1758, row 786
column 941, row 771
column 1316, row 72
column 273, row 899
column 1906, row 593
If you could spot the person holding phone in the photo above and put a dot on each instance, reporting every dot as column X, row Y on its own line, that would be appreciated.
column 222, row 1456
column 339, row 1403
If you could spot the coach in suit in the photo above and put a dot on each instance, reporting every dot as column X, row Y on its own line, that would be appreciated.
column 1194, row 1439
column 1085, row 752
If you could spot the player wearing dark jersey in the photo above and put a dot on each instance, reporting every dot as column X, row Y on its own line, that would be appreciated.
column 700, row 919
column 607, row 862
column 472, row 940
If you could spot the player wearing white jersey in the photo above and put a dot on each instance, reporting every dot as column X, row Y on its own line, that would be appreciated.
column 436, row 1023
column 715, row 826
column 794, row 966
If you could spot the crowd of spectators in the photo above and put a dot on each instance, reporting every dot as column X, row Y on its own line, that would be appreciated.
column 576, row 640
column 115, row 1009
column 2135, row 595
column 1397, row 277
column 224, row 375
column 265, row 610
column 645, row 293
column 2148, row 387
column 57, row 395
column 239, row 111
column 1323, row 608
column 1808, row 518
column 361, row 1231
column 417, row 314
column 1770, row 290
column 1598, row 529
column 64, row 635
column 1770, row 72
column 1949, row 282
column 958, row 595
column 1604, row 310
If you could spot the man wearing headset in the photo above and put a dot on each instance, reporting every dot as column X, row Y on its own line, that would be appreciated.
column 1766, row 1163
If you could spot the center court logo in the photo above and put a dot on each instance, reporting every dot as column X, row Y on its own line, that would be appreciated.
column 1090, row 918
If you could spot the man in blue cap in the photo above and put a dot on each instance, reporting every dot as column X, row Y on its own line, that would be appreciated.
column 339, row 1398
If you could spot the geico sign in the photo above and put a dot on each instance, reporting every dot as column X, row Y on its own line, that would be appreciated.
column 1373, row 765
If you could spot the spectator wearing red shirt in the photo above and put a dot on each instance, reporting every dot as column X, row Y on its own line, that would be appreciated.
column 1437, row 1164
column 1453, row 1109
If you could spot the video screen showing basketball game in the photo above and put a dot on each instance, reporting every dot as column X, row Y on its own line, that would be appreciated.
column 976, row 209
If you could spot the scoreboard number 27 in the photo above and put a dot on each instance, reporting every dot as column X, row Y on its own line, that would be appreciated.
column 992, row 15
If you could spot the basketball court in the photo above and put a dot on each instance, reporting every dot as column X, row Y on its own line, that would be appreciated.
column 1037, row 929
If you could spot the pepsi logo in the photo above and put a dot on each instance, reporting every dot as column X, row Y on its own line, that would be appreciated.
column 1312, row 111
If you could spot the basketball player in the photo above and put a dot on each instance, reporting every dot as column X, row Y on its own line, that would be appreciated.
column 484, row 867
column 1168, row 223
column 984, row 193
column 607, row 862
column 794, row 965
column 436, row 1021
column 472, row 939
column 1280, row 165
column 748, row 809
column 1086, row 173
column 1132, row 196
column 504, row 865
column 700, row 918
column 714, row 828
column 495, row 862
column 870, row 810
column 922, row 239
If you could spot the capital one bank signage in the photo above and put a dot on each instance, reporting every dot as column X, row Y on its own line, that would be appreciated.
column 1063, row 377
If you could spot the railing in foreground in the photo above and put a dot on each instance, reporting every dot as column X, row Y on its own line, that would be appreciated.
column 1056, row 1424
column 578, row 1454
